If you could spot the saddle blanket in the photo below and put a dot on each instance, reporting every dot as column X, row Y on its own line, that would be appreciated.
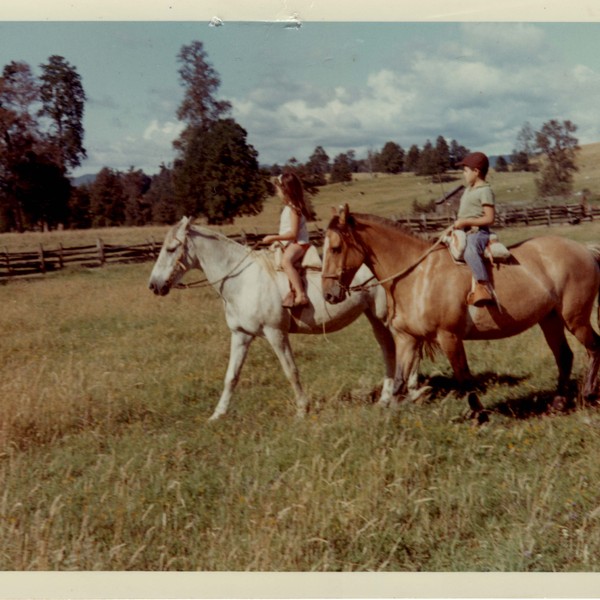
column 311, row 259
column 457, row 242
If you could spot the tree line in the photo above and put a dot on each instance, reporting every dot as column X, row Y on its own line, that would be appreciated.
column 215, row 173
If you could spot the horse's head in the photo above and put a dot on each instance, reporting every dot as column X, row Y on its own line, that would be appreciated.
column 342, row 256
column 174, row 259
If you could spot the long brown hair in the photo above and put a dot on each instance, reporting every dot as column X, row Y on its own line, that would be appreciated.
column 292, row 189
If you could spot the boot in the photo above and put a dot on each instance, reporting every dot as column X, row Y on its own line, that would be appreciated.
column 480, row 296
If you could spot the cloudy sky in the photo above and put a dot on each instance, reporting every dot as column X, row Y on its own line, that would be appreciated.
column 340, row 85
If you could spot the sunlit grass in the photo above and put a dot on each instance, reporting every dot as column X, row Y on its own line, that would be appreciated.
column 107, row 461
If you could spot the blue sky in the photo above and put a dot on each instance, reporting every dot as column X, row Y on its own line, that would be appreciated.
column 352, row 85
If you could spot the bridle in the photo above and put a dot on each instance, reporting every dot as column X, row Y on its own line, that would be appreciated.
column 338, row 276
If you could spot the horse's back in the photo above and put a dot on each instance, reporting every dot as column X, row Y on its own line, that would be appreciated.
column 557, row 258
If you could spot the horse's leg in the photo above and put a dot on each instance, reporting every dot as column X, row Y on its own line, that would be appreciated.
column 240, row 342
column 281, row 345
column 554, row 332
column 454, row 349
column 407, row 358
column 585, row 333
column 385, row 339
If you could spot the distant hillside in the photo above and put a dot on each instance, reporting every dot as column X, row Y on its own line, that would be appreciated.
column 83, row 179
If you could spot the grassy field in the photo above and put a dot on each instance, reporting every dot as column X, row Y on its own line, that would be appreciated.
column 107, row 461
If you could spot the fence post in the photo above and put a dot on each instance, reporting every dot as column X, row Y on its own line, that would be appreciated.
column 151, row 246
column 42, row 261
column 100, row 247
column 61, row 263
column 548, row 217
column 7, row 259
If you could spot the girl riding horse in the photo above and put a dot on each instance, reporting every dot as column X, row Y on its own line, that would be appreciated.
column 293, row 234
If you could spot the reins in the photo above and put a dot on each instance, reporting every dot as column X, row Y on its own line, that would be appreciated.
column 366, row 285
column 205, row 282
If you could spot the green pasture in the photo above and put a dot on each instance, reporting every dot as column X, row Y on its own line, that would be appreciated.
column 107, row 461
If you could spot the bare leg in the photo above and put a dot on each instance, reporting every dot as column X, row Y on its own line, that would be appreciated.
column 292, row 254
column 281, row 345
column 240, row 342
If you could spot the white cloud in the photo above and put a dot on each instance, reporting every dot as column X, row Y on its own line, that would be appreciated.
column 159, row 132
column 479, row 91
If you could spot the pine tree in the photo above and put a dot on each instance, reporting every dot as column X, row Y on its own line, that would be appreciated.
column 63, row 101
column 341, row 170
column 216, row 173
column 559, row 147
column 391, row 158
column 412, row 159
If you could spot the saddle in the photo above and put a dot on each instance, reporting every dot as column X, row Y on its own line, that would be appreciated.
column 310, row 261
column 495, row 251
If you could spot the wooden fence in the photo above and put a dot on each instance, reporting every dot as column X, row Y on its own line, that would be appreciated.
column 44, row 260
column 509, row 216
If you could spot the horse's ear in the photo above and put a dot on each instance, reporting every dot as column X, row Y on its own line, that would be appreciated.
column 186, row 223
column 344, row 212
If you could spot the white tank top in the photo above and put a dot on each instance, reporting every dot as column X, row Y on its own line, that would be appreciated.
column 285, row 225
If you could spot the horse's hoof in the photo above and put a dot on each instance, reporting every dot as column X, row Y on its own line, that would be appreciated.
column 383, row 402
column 420, row 394
column 483, row 417
column 559, row 404
column 474, row 402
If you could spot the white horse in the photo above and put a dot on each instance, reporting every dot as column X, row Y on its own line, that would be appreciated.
column 252, row 293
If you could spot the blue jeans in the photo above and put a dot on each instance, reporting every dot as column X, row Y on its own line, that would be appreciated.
column 476, row 244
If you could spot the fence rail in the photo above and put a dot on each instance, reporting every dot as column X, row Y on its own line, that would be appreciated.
column 509, row 216
column 44, row 260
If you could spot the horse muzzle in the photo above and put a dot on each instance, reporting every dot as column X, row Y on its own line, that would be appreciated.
column 159, row 289
column 335, row 293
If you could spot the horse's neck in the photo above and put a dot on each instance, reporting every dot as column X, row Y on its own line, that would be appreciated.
column 388, row 248
column 218, row 256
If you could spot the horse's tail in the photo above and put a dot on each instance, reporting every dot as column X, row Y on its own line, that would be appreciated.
column 595, row 250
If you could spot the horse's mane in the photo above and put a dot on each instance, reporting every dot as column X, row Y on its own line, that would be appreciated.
column 369, row 218
column 212, row 235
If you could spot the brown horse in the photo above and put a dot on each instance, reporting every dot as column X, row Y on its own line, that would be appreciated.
column 550, row 281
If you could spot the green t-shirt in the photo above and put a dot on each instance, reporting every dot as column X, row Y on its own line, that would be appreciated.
column 474, row 199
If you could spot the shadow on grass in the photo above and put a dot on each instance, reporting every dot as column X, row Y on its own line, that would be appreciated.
column 442, row 385
column 528, row 405
column 525, row 406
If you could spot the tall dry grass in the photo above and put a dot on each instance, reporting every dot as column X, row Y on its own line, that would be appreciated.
column 107, row 461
